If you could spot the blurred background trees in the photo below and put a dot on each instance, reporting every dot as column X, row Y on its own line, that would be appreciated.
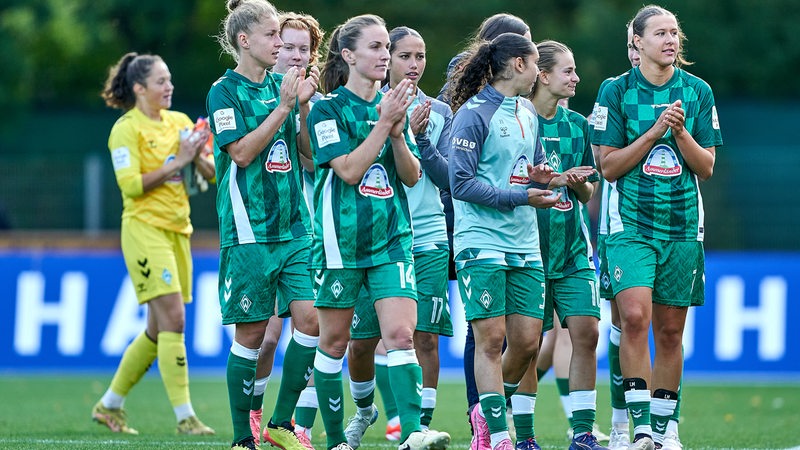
column 56, row 54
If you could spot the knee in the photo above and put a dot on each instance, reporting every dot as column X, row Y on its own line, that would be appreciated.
column 670, row 337
column 305, row 320
column 360, row 348
column 399, row 338
column 426, row 342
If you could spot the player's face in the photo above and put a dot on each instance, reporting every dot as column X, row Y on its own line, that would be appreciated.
column 528, row 73
column 296, row 50
column 633, row 54
column 157, row 93
column 408, row 60
column 370, row 58
column 264, row 41
column 564, row 76
column 660, row 42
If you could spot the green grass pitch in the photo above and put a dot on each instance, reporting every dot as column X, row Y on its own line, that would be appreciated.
column 42, row 411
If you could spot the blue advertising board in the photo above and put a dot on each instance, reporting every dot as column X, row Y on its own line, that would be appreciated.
column 76, row 310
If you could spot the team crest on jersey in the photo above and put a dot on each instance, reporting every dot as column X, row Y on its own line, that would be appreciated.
column 278, row 158
column 662, row 161
column 554, row 160
column 519, row 174
column 376, row 183
column 176, row 177
column 166, row 276
column 356, row 321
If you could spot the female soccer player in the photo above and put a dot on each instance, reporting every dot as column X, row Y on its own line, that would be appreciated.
column 571, row 281
column 264, row 233
column 657, row 130
column 363, row 153
column 496, row 160
column 429, row 121
column 302, row 37
column 148, row 154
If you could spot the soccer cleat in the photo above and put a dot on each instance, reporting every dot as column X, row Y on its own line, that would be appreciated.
column 643, row 443
column 528, row 444
column 426, row 440
column 393, row 432
column 599, row 435
column 620, row 437
column 586, row 441
column 505, row 444
column 114, row 418
column 247, row 443
column 481, row 439
column 304, row 439
column 282, row 436
column 671, row 441
column 342, row 446
column 255, row 424
column 357, row 426
column 193, row 427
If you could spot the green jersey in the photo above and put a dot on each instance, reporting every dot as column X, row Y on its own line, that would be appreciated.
column 564, row 228
column 367, row 224
column 262, row 202
column 660, row 197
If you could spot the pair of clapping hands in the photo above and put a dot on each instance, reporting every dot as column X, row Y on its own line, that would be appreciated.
column 544, row 174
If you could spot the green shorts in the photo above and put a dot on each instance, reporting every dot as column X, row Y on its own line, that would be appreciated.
column 340, row 288
column 602, row 260
column 433, row 310
column 493, row 290
column 675, row 270
column 159, row 261
column 252, row 275
column 573, row 295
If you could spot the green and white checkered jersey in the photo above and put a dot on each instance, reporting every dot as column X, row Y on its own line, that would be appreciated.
column 367, row 224
column 262, row 202
column 427, row 212
column 564, row 229
column 660, row 197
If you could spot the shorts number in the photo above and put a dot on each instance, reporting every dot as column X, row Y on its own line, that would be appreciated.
column 407, row 276
column 595, row 293
column 438, row 308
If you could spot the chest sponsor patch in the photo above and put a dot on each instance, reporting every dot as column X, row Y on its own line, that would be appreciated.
column 519, row 173
column 278, row 158
column 663, row 162
column 600, row 118
column 375, row 183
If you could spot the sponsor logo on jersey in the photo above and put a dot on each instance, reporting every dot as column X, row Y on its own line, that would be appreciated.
column 463, row 144
column 600, row 118
column 278, row 158
column 376, row 183
column 327, row 133
column 564, row 203
column 714, row 118
column 176, row 177
column 519, row 173
column 121, row 158
column 662, row 161
column 224, row 120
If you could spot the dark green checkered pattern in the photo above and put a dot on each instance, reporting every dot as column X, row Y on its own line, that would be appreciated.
column 271, row 202
column 353, row 230
column 663, row 207
column 564, row 233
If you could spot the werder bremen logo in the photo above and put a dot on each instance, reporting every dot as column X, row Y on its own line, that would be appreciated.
column 245, row 303
column 337, row 288
column 486, row 299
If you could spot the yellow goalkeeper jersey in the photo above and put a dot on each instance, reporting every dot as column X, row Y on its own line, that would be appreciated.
column 140, row 145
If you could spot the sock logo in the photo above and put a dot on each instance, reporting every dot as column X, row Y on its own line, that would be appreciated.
column 419, row 389
column 497, row 411
column 180, row 360
column 335, row 404
column 636, row 413
column 248, row 387
column 309, row 372
column 617, row 379
column 661, row 426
